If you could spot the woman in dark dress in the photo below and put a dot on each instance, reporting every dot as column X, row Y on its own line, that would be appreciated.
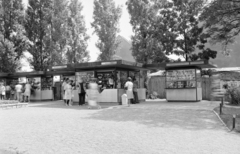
column 81, row 92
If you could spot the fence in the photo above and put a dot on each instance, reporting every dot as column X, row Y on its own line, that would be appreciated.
column 157, row 84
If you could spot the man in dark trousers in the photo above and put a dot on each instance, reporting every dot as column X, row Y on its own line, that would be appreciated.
column 135, row 93
column 81, row 92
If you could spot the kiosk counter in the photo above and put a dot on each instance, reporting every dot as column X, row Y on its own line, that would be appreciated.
column 40, row 83
column 183, row 79
column 111, row 77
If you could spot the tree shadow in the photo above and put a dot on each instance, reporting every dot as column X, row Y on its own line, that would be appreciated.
column 170, row 118
column 75, row 106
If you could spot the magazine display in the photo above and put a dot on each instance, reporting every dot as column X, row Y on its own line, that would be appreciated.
column 185, row 78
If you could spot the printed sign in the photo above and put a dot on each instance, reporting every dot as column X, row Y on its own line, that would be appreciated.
column 84, row 76
column 22, row 80
column 56, row 78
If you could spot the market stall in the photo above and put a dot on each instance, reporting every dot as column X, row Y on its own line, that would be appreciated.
column 183, row 79
column 41, row 85
column 57, row 74
column 3, row 77
column 111, row 76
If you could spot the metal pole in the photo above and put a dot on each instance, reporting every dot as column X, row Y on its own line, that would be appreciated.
column 221, row 105
column 234, row 121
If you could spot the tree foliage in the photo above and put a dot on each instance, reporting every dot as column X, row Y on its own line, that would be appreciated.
column 13, row 41
column 163, row 27
column 69, row 38
column 106, row 17
column 221, row 18
column 37, row 26
column 57, row 31
column 76, row 34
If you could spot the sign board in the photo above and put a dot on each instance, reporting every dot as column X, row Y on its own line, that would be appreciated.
column 56, row 78
column 22, row 80
column 59, row 67
column 109, row 63
column 85, row 76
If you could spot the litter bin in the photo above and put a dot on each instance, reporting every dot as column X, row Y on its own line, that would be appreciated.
column 124, row 99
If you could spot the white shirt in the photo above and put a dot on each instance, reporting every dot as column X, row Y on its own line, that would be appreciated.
column 129, row 85
column 18, row 88
column 63, row 84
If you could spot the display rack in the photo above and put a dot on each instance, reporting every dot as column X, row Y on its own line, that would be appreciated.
column 183, row 78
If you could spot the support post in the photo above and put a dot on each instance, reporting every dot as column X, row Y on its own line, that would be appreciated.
column 221, row 105
column 234, row 122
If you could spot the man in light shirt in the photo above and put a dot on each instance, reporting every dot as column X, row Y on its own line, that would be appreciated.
column 64, row 84
column 18, row 89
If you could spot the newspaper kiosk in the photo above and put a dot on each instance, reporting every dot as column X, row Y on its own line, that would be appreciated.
column 183, row 79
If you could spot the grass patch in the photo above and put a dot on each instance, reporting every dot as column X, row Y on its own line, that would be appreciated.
column 227, row 118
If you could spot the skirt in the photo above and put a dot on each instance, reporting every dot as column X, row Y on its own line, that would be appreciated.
column 27, row 92
column 129, row 94
column 68, row 95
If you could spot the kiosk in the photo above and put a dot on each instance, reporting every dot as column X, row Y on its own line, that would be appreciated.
column 111, row 76
column 183, row 79
column 3, row 77
column 41, row 84
column 57, row 74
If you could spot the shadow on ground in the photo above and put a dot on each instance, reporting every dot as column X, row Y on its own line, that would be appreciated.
column 193, row 119
column 61, row 105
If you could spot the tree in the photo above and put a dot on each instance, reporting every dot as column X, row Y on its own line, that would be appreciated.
column 37, row 25
column 168, row 27
column 106, row 17
column 76, row 49
column 13, row 41
column 145, row 45
column 221, row 18
column 58, row 31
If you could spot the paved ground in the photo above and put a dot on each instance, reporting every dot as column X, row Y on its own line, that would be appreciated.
column 147, row 128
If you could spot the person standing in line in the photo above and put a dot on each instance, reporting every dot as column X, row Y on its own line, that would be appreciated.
column 18, row 89
column 135, row 93
column 27, row 92
column 23, row 93
column 63, row 89
column 13, row 97
column 3, row 91
column 81, row 92
column 129, row 86
column 68, row 93
column 8, row 92
column 72, row 92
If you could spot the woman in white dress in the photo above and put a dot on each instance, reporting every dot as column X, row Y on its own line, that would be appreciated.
column 3, row 91
column 68, row 93
column 129, row 86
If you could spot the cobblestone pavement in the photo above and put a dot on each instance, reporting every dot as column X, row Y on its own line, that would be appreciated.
column 147, row 128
